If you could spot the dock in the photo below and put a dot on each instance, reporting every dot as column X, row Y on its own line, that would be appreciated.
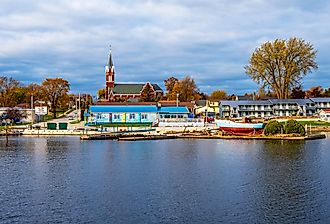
column 141, row 137
column 257, row 137
column 126, row 137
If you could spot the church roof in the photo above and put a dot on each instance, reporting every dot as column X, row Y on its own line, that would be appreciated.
column 110, row 62
column 132, row 88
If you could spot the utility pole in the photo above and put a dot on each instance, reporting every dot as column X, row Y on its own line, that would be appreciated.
column 79, row 109
column 32, row 106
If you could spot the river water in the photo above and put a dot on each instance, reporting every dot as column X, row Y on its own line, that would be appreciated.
column 65, row 180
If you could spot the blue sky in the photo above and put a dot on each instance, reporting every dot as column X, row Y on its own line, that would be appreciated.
column 152, row 40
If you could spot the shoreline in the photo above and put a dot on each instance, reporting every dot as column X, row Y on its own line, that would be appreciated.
column 161, row 133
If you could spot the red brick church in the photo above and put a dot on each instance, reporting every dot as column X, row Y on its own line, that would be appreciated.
column 124, row 92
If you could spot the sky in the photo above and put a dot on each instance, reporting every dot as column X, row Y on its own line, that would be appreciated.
column 209, row 40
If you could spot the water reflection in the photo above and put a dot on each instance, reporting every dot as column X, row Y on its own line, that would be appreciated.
column 288, row 184
column 185, row 181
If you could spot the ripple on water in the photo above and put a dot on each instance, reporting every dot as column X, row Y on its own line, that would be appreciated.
column 66, row 180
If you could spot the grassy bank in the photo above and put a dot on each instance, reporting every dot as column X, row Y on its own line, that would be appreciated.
column 315, row 123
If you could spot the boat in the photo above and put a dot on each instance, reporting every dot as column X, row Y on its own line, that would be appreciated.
column 240, row 128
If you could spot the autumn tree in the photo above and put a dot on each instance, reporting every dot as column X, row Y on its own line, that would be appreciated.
column 326, row 92
column 33, row 91
column 202, row 96
column 147, row 94
column 186, row 89
column 297, row 93
column 218, row 95
column 9, row 91
column 55, row 91
column 315, row 91
column 101, row 93
column 280, row 65
column 169, row 84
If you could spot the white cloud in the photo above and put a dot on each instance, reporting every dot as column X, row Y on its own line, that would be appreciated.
column 153, row 39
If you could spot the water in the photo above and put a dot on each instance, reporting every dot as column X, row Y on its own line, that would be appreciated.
column 65, row 180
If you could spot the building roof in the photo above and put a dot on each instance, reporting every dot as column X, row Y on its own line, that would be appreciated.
column 136, row 109
column 320, row 99
column 173, row 110
column 110, row 62
column 132, row 88
column 190, row 105
column 201, row 103
column 244, row 98
column 236, row 103
column 327, row 111
column 123, row 109
column 125, row 103
column 300, row 102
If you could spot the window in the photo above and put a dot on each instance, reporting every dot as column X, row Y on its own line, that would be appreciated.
column 116, row 116
column 144, row 116
column 131, row 116
column 98, row 116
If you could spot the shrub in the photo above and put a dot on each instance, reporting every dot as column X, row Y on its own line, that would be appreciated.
column 294, row 127
column 273, row 127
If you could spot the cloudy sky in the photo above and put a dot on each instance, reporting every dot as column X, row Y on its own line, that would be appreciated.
column 152, row 40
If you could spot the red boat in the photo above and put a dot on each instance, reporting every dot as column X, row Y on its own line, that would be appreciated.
column 240, row 128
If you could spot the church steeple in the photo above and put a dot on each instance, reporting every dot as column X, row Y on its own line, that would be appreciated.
column 109, row 75
column 110, row 62
column 110, row 66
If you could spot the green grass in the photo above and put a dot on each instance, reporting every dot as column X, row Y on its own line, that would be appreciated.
column 314, row 123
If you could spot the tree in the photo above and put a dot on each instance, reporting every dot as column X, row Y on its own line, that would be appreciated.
column 55, row 91
column 147, row 94
column 218, row 95
column 101, row 93
column 8, row 90
column 34, row 90
column 169, row 84
column 326, row 92
column 202, row 96
column 280, row 65
column 297, row 93
column 315, row 91
column 186, row 90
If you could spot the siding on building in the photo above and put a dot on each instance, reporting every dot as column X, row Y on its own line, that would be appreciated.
column 101, row 114
column 273, row 107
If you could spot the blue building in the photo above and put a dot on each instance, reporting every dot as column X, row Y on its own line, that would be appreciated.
column 132, row 114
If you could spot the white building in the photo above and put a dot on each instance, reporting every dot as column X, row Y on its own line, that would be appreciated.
column 325, row 115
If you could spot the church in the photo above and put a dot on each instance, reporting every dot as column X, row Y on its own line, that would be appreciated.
column 126, row 92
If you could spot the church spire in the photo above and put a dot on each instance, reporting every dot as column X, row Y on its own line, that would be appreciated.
column 110, row 62
column 109, row 76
